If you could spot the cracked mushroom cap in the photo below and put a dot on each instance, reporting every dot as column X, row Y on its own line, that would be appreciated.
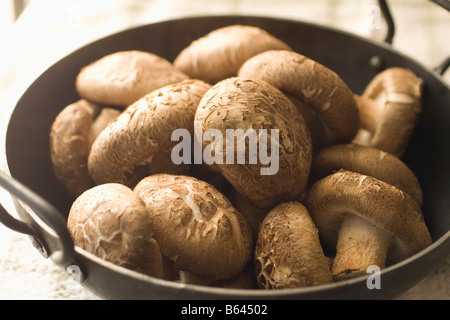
column 390, row 108
column 71, row 137
column 313, row 84
column 113, row 223
column 386, row 207
column 288, row 252
column 143, row 130
column 249, row 106
column 196, row 226
column 219, row 54
column 368, row 161
column 123, row 77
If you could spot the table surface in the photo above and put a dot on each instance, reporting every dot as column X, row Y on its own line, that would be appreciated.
column 49, row 30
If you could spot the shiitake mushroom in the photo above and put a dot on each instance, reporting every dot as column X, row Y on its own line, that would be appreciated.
column 255, row 87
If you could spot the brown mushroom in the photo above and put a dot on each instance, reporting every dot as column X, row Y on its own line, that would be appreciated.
column 112, row 222
column 288, row 252
column 366, row 220
column 105, row 116
column 247, row 109
column 208, row 173
column 196, row 227
column 219, row 54
column 390, row 108
column 251, row 213
column 313, row 84
column 368, row 161
column 71, row 137
column 123, row 77
column 321, row 136
column 162, row 163
column 143, row 130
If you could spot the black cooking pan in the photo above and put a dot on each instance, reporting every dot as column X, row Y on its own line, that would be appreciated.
column 352, row 57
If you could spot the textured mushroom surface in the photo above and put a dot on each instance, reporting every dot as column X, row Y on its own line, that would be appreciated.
column 368, row 161
column 219, row 54
column 390, row 109
column 121, row 78
column 113, row 223
column 243, row 104
column 101, row 121
column 196, row 226
column 313, row 84
column 386, row 207
column 142, row 130
column 71, row 136
column 288, row 252
column 251, row 213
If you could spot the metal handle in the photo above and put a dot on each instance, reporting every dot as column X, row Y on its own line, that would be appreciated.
column 386, row 12
column 55, row 243
column 440, row 69
column 443, row 3
column 384, row 8
column 443, row 66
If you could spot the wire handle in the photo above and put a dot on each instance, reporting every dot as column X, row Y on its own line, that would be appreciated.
column 443, row 66
column 384, row 8
column 443, row 3
column 55, row 243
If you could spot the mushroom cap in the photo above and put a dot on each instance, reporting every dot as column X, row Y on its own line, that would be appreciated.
column 251, row 213
column 69, row 146
column 321, row 136
column 123, row 77
column 105, row 116
column 288, row 252
column 210, row 174
column 243, row 104
column 196, row 226
column 219, row 54
column 330, row 199
column 368, row 161
column 312, row 83
column 113, row 223
column 144, row 129
column 397, row 93
column 71, row 136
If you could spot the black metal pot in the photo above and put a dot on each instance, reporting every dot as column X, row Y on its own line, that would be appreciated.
column 352, row 57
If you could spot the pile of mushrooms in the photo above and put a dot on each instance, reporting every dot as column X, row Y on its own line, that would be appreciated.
column 341, row 199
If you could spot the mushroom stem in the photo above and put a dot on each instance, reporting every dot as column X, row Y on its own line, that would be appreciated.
column 360, row 245
column 370, row 112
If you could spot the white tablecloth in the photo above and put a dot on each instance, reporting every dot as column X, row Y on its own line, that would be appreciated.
column 48, row 30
